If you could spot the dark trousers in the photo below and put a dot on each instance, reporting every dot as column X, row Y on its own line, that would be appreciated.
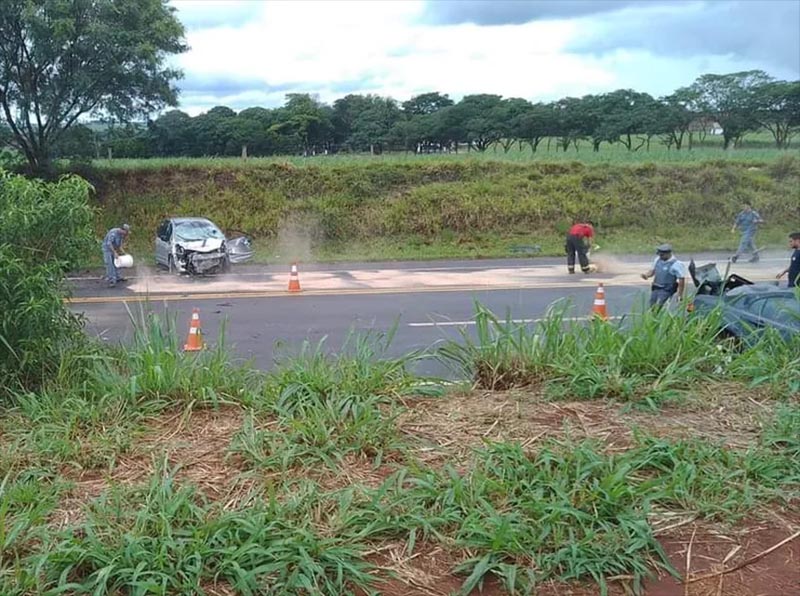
column 576, row 246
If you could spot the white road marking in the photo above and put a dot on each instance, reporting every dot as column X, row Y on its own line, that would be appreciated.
column 472, row 322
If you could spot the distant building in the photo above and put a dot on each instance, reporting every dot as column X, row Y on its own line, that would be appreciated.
column 706, row 125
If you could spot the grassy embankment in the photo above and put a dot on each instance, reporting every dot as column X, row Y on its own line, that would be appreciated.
column 340, row 208
column 580, row 457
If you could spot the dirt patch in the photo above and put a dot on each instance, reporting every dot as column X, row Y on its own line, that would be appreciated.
column 456, row 424
column 193, row 443
column 752, row 560
column 728, row 558
column 428, row 571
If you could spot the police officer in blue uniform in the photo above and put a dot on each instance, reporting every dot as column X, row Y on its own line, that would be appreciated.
column 112, row 248
column 669, row 276
column 747, row 221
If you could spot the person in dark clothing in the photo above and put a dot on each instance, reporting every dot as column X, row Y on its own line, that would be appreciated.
column 794, row 264
column 579, row 239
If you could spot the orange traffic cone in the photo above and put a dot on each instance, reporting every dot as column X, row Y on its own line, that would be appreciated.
column 599, row 306
column 294, row 279
column 194, row 343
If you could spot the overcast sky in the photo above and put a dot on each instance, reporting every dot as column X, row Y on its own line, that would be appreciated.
column 252, row 52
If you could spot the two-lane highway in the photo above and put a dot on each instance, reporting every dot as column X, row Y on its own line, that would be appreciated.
column 428, row 302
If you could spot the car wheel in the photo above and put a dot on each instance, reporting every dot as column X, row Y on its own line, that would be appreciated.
column 729, row 340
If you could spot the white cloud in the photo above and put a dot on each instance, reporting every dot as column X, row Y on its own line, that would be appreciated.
column 333, row 48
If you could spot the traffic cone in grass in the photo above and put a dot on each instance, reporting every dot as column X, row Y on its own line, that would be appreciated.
column 294, row 279
column 599, row 305
column 194, row 343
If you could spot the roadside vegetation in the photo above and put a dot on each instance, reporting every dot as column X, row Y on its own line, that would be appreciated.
column 570, row 455
column 452, row 207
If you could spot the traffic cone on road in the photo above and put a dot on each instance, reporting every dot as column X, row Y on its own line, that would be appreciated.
column 599, row 305
column 194, row 343
column 294, row 279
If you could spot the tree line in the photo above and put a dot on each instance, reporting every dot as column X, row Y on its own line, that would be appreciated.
column 731, row 105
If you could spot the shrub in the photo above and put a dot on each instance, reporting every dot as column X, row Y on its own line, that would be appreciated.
column 45, row 228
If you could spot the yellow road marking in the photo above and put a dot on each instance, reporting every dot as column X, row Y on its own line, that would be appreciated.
column 334, row 292
column 587, row 283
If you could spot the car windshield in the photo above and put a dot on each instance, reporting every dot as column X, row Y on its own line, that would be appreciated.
column 190, row 231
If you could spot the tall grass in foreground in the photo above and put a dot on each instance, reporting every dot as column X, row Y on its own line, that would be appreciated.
column 648, row 356
column 572, row 511
column 90, row 411
column 323, row 407
column 162, row 538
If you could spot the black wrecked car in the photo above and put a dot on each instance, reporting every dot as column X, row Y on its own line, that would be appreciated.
column 746, row 308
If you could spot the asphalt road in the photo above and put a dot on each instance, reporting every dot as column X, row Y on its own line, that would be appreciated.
column 262, row 329
column 429, row 303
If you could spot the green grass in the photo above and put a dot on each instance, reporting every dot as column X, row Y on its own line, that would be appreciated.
column 648, row 356
column 565, row 510
column 756, row 148
column 462, row 208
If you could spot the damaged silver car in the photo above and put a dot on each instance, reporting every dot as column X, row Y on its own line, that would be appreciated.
column 196, row 246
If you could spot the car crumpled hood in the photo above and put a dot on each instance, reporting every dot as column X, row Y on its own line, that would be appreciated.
column 207, row 245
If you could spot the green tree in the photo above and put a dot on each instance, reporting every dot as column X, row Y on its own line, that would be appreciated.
column 305, row 122
column 619, row 115
column 375, row 127
column 730, row 100
column 62, row 59
column 479, row 120
column 572, row 121
column 778, row 110
column 79, row 142
column 534, row 125
column 507, row 115
column 252, row 128
column 346, row 111
column 673, row 118
column 427, row 103
column 213, row 132
column 172, row 133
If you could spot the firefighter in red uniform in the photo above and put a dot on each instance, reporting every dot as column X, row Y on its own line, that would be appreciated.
column 579, row 239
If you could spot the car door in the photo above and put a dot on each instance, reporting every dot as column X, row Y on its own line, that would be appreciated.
column 163, row 242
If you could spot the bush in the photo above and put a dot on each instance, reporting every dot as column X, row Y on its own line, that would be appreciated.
column 45, row 228
column 46, row 222
column 35, row 325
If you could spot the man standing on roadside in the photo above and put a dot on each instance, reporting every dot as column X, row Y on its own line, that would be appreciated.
column 579, row 239
column 794, row 264
column 112, row 249
column 747, row 221
column 669, row 277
